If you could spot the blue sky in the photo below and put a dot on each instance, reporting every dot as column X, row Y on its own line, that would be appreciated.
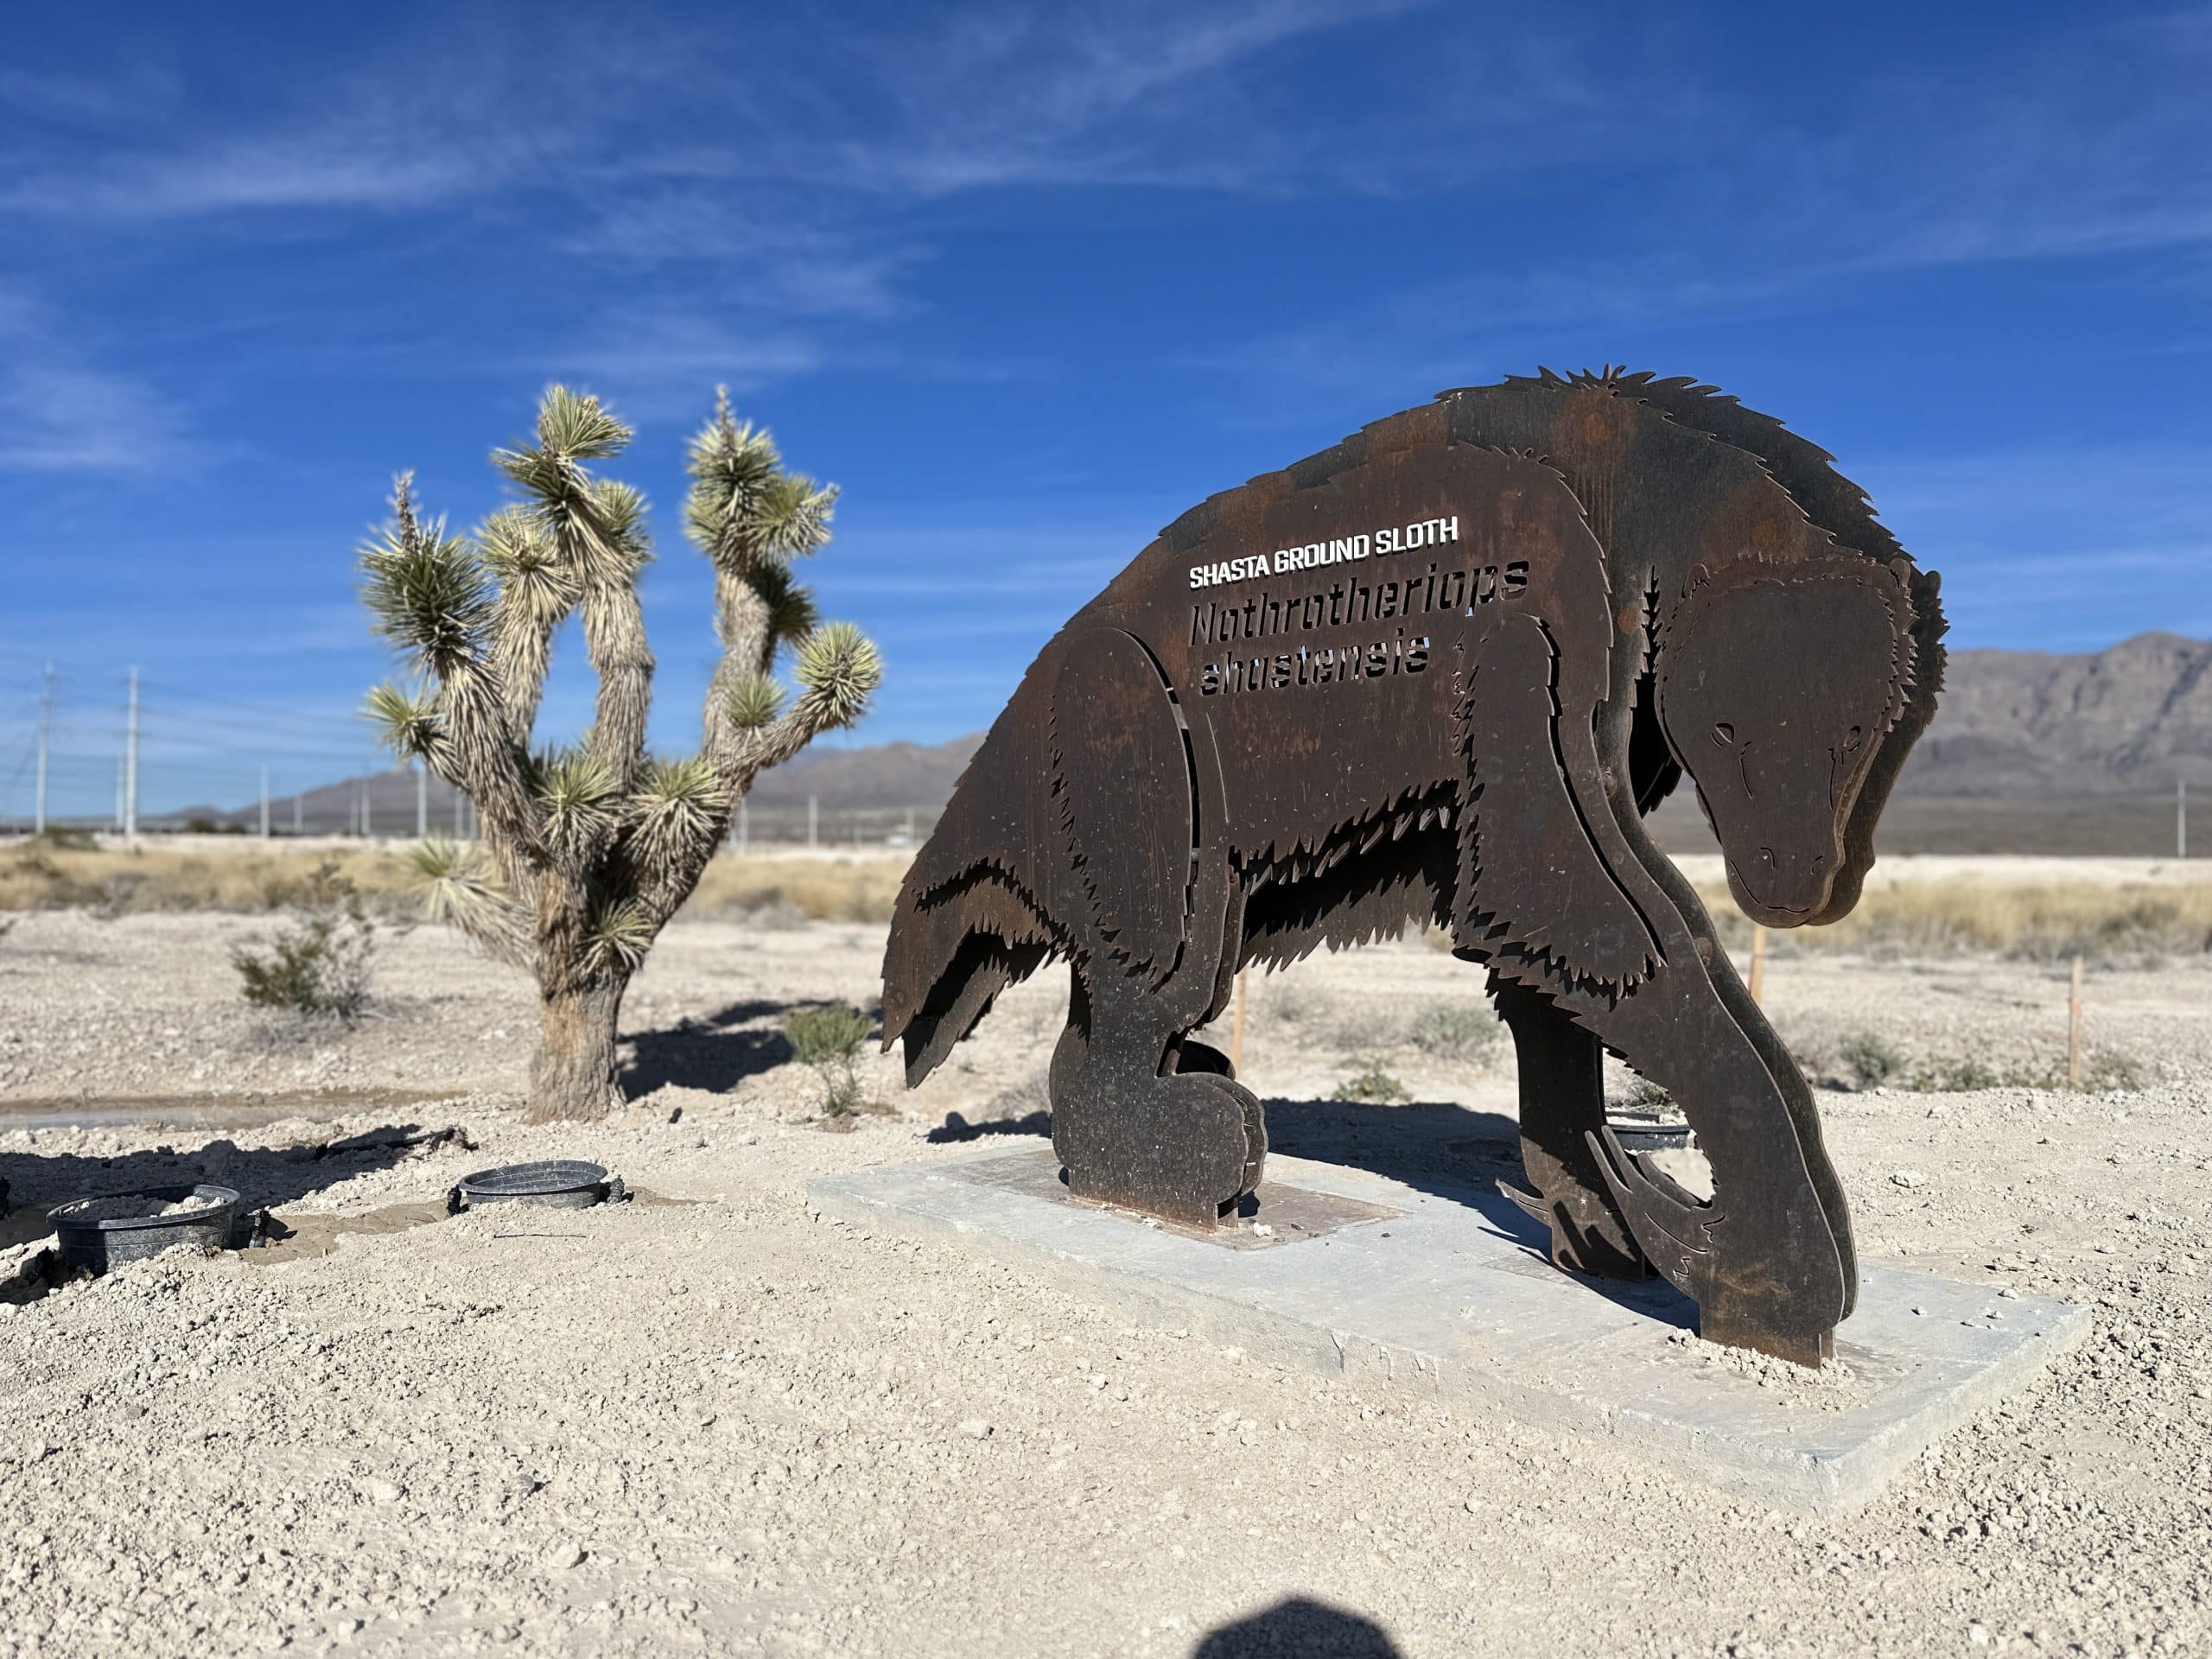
column 1029, row 281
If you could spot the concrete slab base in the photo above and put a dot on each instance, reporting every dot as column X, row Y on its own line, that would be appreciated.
column 1448, row 1291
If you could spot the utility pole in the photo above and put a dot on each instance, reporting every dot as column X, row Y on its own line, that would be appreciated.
column 264, row 802
column 130, row 764
column 118, row 794
column 421, row 800
column 45, row 740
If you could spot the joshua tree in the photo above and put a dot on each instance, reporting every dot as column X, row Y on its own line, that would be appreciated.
column 588, row 849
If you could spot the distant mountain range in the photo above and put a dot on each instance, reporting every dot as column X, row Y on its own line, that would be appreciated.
column 2029, row 751
column 2134, row 717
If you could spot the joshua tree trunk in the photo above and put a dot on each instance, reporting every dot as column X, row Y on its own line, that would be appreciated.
column 590, row 850
column 572, row 1076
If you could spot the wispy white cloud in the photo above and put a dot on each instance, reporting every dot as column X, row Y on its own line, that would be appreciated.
column 131, row 93
column 661, row 363
column 64, row 413
column 2074, row 547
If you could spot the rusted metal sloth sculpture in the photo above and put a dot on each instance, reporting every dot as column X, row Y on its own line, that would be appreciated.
column 1440, row 672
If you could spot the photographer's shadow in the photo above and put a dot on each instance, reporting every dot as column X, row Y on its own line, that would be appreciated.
column 1298, row 1628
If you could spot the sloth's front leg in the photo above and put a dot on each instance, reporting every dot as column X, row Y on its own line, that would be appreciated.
column 1762, row 1259
column 1144, row 1119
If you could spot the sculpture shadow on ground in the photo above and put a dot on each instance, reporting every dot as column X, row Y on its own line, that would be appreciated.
column 264, row 1177
column 715, row 1052
column 956, row 1128
column 1298, row 1628
column 1449, row 1151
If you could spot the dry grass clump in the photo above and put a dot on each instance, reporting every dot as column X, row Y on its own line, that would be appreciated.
column 2040, row 921
column 34, row 877
column 820, row 889
column 114, row 883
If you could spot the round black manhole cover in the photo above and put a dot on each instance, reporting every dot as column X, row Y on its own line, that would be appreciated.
column 557, row 1184
column 103, row 1232
column 1649, row 1134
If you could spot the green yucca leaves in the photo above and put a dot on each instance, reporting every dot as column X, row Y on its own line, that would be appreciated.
column 425, row 590
column 754, row 701
column 838, row 668
column 406, row 725
column 791, row 518
column 745, row 512
column 457, row 889
column 516, row 550
column 791, row 614
column 617, row 935
column 730, row 463
column 598, row 527
column 578, row 796
column 572, row 426
column 673, row 807
column 619, row 514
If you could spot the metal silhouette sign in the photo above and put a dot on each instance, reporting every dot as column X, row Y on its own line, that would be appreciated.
column 1439, row 673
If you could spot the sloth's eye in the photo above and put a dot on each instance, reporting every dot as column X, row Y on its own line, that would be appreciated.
column 1724, row 734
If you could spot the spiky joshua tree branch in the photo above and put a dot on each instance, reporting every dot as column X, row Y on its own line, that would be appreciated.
column 588, row 849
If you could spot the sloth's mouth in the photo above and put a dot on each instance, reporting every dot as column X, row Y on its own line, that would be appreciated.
column 1756, row 897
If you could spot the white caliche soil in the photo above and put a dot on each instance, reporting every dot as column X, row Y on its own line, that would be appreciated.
column 722, row 1426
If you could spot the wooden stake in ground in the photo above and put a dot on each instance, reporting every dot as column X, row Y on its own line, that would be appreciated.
column 1758, row 959
column 2074, row 1030
column 1237, row 1026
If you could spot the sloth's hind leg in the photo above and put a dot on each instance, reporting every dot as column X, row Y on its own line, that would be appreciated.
column 1141, row 1118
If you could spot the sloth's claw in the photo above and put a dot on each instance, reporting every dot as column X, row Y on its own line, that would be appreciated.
column 1671, row 1226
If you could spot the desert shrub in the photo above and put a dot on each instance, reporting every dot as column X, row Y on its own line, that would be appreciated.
column 1959, row 1074
column 67, row 838
column 1290, row 1003
column 1869, row 1059
column 828, row 1041
column 1644, row 1096
column 1371, row 1085
column 320, row 965
column 2107, row 1068
column 1454, row 1031
column 2102, row 1069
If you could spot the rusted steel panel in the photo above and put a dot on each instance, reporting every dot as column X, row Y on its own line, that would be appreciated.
column 1439, row 673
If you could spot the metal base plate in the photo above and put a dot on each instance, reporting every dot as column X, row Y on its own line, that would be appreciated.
column 1447, row 1291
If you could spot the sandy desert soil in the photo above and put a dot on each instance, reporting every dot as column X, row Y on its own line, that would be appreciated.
column 707, row 1422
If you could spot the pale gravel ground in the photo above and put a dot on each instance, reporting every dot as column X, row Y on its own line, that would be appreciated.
column 730, row 1427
